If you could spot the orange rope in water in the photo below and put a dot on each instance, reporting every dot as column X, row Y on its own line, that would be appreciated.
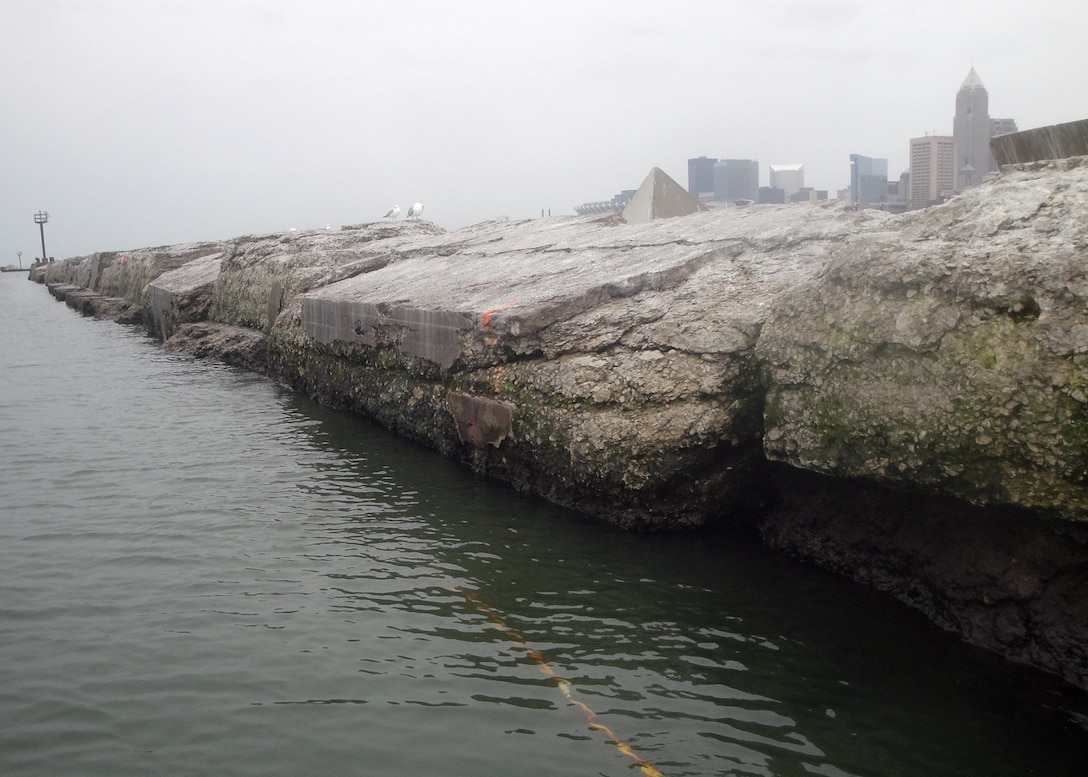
column 564, row 685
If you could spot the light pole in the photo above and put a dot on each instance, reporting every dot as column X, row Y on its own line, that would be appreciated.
column 40, row 218
column 20, row 253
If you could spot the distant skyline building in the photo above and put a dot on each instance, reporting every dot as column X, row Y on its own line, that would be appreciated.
column 736, row 179
column 615, row 205
column 972, row 129
column 971, row 132
column 932, row 169
column 1002, row 127
column 788, row 178
column 701, row 177
column 769, row 195
column 808, row 194
column 868, row 180
column 899, row 193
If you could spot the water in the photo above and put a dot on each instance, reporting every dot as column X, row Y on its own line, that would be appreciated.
column 202, row 573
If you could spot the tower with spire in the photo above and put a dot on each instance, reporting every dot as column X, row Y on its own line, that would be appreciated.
column 972, row 129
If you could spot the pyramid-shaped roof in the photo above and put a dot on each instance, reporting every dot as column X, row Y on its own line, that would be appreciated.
column 972, row 81
column 659, row 197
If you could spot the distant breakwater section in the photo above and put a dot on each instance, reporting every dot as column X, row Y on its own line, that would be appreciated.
column 902, row 398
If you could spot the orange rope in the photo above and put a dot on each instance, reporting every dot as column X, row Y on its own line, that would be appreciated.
column 564, row 685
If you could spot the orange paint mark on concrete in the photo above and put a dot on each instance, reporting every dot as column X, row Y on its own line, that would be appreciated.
column 490, row 313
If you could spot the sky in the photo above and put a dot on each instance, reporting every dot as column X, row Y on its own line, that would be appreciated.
column 139, row 123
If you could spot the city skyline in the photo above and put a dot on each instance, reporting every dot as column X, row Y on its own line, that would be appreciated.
column 938, row 165
column 139, row 124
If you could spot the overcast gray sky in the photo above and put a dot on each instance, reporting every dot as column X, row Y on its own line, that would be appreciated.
column 138, row 123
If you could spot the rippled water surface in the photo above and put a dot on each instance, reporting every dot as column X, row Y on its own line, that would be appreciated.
column 204, row 574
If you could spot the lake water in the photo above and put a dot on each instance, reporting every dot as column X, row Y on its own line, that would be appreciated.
column 202, row 573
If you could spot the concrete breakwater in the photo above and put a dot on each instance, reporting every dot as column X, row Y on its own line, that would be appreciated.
column 900, row 398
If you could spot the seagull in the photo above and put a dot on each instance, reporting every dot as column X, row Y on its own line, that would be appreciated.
column 393, row 213
column 415, row 210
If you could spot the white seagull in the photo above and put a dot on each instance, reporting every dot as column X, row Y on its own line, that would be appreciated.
column 393, row 213
column 415, row 210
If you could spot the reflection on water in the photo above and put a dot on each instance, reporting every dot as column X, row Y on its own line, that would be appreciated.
column 201, row 573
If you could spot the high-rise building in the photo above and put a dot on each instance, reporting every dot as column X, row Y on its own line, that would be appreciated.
column 932, row 169
column 788, row 178
column 971, row 131
column 701, row 177
column 972, row 128
column 736, row 179
column 868, row 180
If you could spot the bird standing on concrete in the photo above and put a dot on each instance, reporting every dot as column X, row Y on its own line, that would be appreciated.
column 393, row 213
column 415, row 210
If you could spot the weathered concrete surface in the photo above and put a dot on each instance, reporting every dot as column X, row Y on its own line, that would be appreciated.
column 595, row 321
column 856, row 383
column 1057, row 141
column 947, row 358
column 120, row 278
column 950, row 354
column 625, row 351
column 183, row 295
column 238, row 346
column 259, row 275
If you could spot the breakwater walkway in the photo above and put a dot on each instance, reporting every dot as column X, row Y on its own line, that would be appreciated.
column 901, row 398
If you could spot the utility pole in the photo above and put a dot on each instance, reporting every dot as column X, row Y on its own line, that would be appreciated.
column 40, row 218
